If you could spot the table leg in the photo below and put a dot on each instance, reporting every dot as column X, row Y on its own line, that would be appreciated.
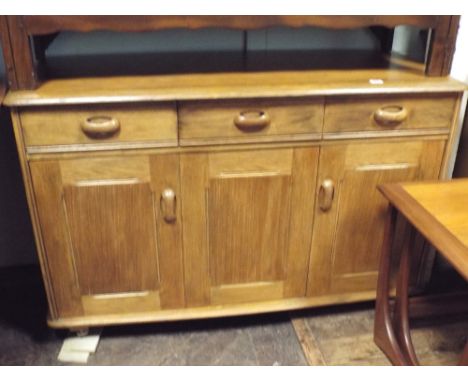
column 384, row 335
column 401, row 315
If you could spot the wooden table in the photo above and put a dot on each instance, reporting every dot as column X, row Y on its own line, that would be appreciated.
column 439, row 211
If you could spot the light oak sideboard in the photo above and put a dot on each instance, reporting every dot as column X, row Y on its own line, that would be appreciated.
column 167, row 197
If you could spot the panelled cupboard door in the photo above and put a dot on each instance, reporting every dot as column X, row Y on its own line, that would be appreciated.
column 350, row 212
column 247, row 219
column 111, row 233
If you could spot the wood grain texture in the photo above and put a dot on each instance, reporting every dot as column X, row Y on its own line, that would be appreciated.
column 25, row 67
column 241, row 203
column 248, row 227
column 304, row 181
column 210, row 311
column 146, row 124
column 7, row 53
column 342, row 256
column 183, row 87
column 245, row 216
column 100, row 223
column 51, row 24
column 248, row 292
column 357, row 113
column 31, row 200
column 22, row 28
column 387, row 133
column 46, row 179
column 193, row 175
column 442, row 46
column 450, row 154
column 219, row 148
column 308, row 342
column 114, row 247
column 214, row 122
column 356, row 224
column 438, row 211
column 89, row 170
column 120, row 303
column 164, row 171
column 206, row 175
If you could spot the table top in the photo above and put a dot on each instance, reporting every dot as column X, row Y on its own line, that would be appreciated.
column 439, row 211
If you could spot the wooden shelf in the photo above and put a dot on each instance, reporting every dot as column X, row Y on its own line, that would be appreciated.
column 160, row 63
column 231, row 85
column 52, row 24
column 26, row 71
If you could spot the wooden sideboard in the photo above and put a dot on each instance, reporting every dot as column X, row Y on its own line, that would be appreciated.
column 170, row 197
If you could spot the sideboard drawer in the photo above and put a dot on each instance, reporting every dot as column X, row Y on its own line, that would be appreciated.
column 99, row 127
column 243, row 121
column 399, row 114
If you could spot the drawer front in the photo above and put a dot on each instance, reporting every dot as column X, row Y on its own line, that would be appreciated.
column 391, row 115
column 243, row 121
column 99, row 127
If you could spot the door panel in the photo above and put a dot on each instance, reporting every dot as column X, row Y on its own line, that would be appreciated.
column 347, row 237
column 122, row 255
column 240, row 209
column 357, row 223
column 114, row 247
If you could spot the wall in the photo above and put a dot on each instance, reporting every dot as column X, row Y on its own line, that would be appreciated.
column 460, row 71
column 16, row 238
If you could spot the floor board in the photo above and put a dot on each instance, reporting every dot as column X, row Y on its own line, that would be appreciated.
column 344, row 336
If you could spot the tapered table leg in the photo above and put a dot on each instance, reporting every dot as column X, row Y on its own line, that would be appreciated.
column 401, row 315
column 384, row 335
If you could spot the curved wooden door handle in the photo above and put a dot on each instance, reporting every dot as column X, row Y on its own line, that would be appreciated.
column 100, row 127
column 252, row 120
column 391, row 115
column 326, row 194
column 168, row 205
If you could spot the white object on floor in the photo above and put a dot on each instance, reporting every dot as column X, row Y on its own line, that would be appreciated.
column 73, row 356
column 77, row 349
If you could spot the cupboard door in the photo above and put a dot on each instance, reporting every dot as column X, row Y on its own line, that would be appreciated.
column 350, row 212
column 247, row 224
column 111, row 233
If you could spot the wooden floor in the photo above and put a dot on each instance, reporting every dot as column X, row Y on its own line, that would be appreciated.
column 326, row 336
column 343, row 336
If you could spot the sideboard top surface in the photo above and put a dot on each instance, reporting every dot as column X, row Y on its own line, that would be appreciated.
column 231, row 85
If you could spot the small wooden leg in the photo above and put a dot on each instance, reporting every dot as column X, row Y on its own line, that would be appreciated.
column 384, row 335
column 80, row 332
